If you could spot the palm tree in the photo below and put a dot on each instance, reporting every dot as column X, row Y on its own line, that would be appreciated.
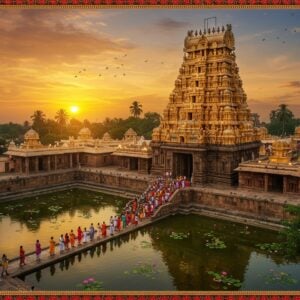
column 283, row 114
column 38, row 120
column 136, row 109
column 61, row 118
column 273, row 115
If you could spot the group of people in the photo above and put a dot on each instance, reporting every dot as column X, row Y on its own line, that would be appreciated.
column 157, row 193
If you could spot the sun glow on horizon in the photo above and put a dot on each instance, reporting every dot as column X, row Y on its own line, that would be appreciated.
column 74, row 109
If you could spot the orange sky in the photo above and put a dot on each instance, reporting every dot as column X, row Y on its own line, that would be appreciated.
column 42, row 52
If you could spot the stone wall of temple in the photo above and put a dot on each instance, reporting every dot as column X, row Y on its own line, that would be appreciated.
column 21, row 184
column 235, row 207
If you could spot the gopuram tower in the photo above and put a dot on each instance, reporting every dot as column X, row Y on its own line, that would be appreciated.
column 206, row 129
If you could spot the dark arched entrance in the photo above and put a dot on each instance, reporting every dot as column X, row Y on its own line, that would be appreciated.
column 183, row 164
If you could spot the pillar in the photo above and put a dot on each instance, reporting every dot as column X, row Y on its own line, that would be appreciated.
column 48, row 163
column 71, row 160
column 284, row 184
column 55, row 162
column 36, row 163
column 139, row 164
column 266, row 182
column 77, row 159
column 27, row 165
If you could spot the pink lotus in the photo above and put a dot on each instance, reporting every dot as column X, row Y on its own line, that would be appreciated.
column 224, row 273
column 85, row 281
column 91, row 279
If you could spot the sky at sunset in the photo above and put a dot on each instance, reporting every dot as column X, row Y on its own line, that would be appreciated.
column 56, row 58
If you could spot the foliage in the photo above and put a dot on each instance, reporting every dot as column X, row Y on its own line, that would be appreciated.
column 224, row 279
column 282, row 121
column 90, row 284
column 270, row 247
column 136, row 109
column 51, row 131
column 179, row 235
column 214, row 242
column 291, row 233
column 144, row 269
column 279, row 277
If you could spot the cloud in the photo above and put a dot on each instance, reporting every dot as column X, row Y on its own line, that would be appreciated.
column 293, row 84
column 169, row 24
column 47, row 37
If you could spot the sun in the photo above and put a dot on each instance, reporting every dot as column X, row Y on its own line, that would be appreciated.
column 74, row 109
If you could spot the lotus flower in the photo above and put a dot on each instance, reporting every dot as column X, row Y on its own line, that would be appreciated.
column 85, row 281
column 91, row 279
column 224, row 273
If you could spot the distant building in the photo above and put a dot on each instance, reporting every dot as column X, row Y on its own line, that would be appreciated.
column 32, row 157
column 276, row 171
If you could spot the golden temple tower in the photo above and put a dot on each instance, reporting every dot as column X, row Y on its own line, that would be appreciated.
column 206, row 129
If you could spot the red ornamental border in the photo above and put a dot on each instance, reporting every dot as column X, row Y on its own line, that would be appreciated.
column 158, row 3
column 148, row 297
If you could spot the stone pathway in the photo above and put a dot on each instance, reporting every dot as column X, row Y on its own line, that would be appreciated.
column 31, row 264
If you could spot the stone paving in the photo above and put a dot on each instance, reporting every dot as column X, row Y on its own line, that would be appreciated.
column 31, row 263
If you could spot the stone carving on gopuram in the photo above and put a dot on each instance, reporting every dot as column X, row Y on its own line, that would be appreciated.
column 206, row 129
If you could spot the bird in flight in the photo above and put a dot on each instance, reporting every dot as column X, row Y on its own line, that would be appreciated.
column 124, row 74
column 146, row 60
column 84, row 70
column 263, row 40
column 100, row 75
column 106, row 68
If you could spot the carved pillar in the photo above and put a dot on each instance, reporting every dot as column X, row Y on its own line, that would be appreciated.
column 266, row 182
column 27, row 165
column 55, row 162
column 77, row 159
column 139, row 164
column 284, row 184
column 36, row 164
column 71, row 160
column 48, row 164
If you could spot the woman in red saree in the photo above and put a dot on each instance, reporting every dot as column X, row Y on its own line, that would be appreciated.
column 79, row 235
column 22, row 256
column 103, row 229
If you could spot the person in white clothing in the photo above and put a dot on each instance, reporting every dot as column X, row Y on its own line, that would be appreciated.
column 85, row 235
column 61, row 244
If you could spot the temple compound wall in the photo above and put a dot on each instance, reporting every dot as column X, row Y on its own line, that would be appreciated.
column 222, row 204
column 206, row 129
column 19, row 184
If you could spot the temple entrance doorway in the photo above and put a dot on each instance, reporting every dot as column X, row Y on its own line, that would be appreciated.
column 133, row 163
column 183, row 164
column 276, row 183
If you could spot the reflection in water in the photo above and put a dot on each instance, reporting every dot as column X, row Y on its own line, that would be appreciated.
column 150, row 259
column 40, row 217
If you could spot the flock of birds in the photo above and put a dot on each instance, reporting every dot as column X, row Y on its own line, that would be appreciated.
column 285, row 29
column 119, row 67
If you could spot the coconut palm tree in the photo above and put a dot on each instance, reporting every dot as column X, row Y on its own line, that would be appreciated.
column 38, row 120
column 283, row 115
column 61, row 118
column 136, row 109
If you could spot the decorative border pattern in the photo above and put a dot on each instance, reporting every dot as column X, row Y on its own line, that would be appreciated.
column 139, row 296
column 156, row 3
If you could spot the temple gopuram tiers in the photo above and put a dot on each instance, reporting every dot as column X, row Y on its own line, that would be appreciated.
column 206, row 129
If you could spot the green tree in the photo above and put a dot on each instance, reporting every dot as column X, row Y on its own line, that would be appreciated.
column 38, row 121
column 136, row 109
column 284, row 115
column 61, row 118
